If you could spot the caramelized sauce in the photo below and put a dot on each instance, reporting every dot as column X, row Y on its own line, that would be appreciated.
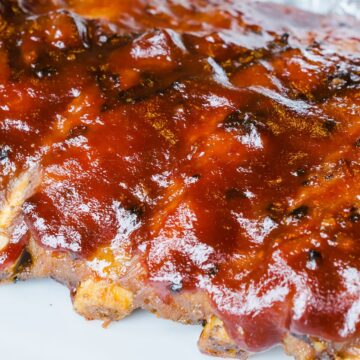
column 216, row 140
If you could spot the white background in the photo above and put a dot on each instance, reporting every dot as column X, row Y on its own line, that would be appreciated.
column 37, row 323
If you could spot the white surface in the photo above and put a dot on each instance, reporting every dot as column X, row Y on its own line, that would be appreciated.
column 321, row 6
column 350, row 7
column 37, row 323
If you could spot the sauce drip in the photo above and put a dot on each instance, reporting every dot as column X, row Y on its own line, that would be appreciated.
column 218, row 141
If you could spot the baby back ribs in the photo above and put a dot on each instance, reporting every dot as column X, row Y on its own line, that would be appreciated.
column 198, row 159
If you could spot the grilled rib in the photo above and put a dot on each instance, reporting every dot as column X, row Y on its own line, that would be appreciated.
column 198, row 159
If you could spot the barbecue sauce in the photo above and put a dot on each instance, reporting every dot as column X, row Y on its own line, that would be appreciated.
column 215, row 140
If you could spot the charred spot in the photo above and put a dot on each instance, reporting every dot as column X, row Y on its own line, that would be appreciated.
column 329, row 176
column 314, row 259
column 4, row 152
column 15, row 58
column 203, row 322
column 314, row 255
column 213, row 270
column 45, row 72
column 137, row 210
column 357, row 143
column 280, row 42
column 78, row 131
column 300, row 212
column 142, row 92
column 354, row 215
column 233, row 121
column 307, row 182
column 10, row 9
column 128, row 97
column 25, row 261
column 238, row 120
column 314, row 45
column 329, row 125
column 354, row 218
column 175, row 288
column 104, row 107
column 107, row 81
column 300, row 96
column 234, row 193
column 284, row 38
column 300, row 172
column 160, row 89
column 196, row 176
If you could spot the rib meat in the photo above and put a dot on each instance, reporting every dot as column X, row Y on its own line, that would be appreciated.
column 198, row 159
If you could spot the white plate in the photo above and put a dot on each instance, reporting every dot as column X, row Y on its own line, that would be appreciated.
column 37, row 323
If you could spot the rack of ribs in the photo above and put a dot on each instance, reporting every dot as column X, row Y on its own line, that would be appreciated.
column 197, row 159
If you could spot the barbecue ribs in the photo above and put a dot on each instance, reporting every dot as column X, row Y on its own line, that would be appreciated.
column 198, row 159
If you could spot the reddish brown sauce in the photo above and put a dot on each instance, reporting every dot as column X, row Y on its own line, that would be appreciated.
column 217, row 140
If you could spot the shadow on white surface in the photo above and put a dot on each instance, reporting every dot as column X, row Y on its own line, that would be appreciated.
column 38, row 323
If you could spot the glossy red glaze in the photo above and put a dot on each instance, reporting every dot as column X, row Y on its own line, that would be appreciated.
column 217, row 140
